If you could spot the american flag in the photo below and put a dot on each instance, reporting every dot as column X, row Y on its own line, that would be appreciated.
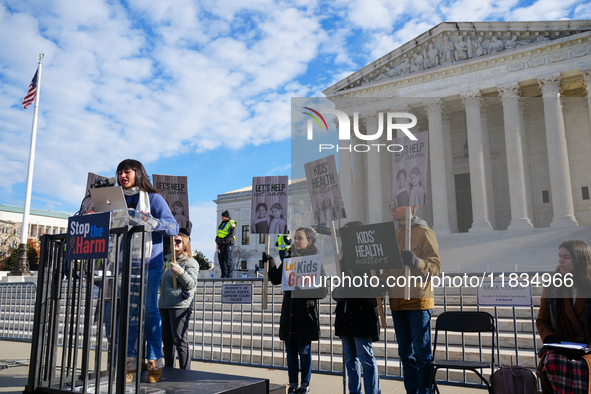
column 30, row 97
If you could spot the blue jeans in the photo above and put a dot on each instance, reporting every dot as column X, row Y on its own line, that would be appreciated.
column 152, row 322
column 293, row 349
column 225, row 259
column 359, row 351
column 413, row 334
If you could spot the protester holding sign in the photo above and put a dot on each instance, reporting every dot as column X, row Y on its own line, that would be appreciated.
column 565, row 315
column 357, row 324
column 176, row 303
column 412, row 317
column 141, row 195
column 299, row 323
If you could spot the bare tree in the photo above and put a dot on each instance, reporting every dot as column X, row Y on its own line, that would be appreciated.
column 241, row 254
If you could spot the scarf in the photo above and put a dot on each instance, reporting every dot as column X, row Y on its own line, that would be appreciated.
column 143, row 205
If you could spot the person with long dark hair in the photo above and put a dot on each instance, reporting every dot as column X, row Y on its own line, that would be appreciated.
column 565, row 316
column 176, row 303
column 141, row 195
column 299, row 324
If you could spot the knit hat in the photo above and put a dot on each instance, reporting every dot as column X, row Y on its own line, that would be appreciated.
column 226, row 214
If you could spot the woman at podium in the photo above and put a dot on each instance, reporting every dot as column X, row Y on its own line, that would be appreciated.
column 142, row 196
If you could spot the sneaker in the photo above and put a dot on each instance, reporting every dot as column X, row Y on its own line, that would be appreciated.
column 154, row 370
column 292, row 390
column 302, row 390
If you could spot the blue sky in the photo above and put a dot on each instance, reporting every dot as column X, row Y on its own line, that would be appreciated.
column 195, row 88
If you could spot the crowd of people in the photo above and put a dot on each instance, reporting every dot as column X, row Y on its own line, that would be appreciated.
column 564, row 314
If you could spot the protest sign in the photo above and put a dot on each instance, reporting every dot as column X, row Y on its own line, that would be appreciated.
column 175, row 191
column 269, row 205
column 409, row 171
column 370, row 247
column 301, row 272
column 88, row 236
column 324, row 189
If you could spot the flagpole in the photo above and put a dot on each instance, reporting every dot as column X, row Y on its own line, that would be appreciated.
column 21, row 266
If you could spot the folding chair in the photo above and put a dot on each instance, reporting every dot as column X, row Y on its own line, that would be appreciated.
column 464, row 322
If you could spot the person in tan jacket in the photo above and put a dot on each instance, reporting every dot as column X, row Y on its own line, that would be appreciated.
column 412, row 318
column 565, row 316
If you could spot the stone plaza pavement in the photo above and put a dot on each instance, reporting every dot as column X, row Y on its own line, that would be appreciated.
column 13, row 376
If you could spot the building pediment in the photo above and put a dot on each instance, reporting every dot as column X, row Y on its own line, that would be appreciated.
column 451, row 44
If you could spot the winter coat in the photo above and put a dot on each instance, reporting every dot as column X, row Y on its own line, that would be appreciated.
column 298, row 322
column 171, row 298
column 424, row 245
column 357, row 317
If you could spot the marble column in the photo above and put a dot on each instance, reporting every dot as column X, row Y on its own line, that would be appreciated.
column 359, row 178
column 452, row 209
column 560, row 182
column 471, row 102
column 509, row 94
column 526, row 163
column 373, row 171
column 587, row 83
column 345, row 175
column 438, row 190
column 488, row 177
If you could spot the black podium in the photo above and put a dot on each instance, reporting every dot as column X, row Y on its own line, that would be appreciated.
column 82, row 315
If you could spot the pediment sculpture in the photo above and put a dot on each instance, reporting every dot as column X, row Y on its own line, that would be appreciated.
column 443, row 51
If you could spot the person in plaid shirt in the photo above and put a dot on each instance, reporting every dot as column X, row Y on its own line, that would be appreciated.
column 565, row 315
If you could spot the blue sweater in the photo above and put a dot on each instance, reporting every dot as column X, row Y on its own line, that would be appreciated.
column 158, row 209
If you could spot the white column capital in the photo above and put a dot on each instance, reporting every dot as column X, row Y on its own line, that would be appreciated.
column 369, row 117
column 510, row 89
column 433, row 106
column 586, row 72
column 401, row 108
column 550, row 85
column 471, row 99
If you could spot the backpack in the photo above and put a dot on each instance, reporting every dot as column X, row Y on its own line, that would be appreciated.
column 514, row 380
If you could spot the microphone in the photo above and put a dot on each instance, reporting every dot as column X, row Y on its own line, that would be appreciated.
column 103, row 183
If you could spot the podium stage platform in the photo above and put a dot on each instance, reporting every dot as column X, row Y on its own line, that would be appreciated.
column 180, row 381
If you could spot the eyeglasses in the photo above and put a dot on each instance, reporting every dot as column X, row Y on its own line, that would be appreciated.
column 392, row 205
column 178, row 241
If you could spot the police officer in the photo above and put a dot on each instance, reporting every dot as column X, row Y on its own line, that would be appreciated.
column 282, row 244
column 225, row 241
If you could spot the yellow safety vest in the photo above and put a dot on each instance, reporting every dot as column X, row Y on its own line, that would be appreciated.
column 281, row 242
column 224, row 230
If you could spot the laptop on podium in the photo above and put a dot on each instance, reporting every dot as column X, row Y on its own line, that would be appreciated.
column 108, row 199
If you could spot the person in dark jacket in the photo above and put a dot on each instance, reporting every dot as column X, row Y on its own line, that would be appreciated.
column 299, row 323
column 357, row 324
column 225, row 240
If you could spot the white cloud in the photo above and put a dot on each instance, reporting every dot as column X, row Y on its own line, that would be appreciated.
column 544, row 10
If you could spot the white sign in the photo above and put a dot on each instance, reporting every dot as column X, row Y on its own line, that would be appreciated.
column 496, row 294
column 237, row 293
column 302, row 272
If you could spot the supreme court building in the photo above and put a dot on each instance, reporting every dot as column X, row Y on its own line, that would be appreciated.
column 506, row 110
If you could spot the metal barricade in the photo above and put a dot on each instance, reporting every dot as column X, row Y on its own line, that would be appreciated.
column 228, row 333
column 248, row 335
column 17, row 305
